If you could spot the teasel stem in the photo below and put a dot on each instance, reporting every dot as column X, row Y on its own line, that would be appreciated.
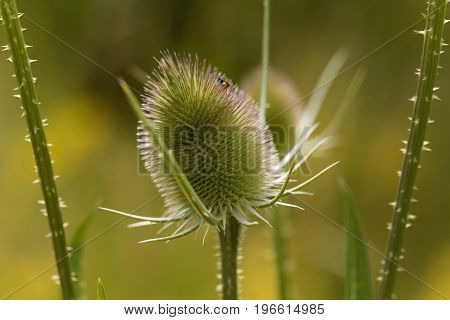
column 265, row 61
column 431, row 51
column 229, row 251
column 279, row 236
column 282, row 256
column 21, row 62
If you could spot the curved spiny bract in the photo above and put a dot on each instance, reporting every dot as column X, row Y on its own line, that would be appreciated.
column 214, row 132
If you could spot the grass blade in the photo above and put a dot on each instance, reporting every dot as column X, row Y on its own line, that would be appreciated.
column 431, row 51
column 358, row 283
column 101, row 293
column 170, row 160
column 77, row 254
column 19, row 58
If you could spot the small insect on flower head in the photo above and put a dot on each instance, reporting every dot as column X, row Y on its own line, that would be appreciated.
column 217, row 140
column 224, row 84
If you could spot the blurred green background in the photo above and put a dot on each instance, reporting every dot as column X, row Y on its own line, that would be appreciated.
column 93, row 131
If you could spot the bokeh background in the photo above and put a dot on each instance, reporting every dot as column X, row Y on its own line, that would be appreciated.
column 93, row 131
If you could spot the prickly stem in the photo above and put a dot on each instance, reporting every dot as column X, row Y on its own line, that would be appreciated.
column 282, row 255
column 229, row 251
column 431, row 51
column 25, row 80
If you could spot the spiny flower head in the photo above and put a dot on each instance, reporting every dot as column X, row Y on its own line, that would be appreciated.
column 213, row 130
column 211, row 158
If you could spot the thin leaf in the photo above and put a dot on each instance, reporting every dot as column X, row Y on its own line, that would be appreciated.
column 139, row 224
column 298, row 146
column 346, row 103
column 331, row 130
column 101, row 293
column 304, row 184
column 175, row 235
column 241, row 218
column 283, row 187
column 77, row 254
column 322, row 87
column 289, row 157
column 310, row 153
column 290, row 205
column 358, row 283
column 169, row 160
column 145, row 218
column 258, row 215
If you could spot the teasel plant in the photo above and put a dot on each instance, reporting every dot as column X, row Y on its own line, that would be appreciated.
column 230, row 246
column 283, row 107
column 213, row 161
column 420, row 120
column 26, row 92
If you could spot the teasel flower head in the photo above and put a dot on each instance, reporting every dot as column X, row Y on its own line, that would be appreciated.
column 214, row 134
column 213, row 129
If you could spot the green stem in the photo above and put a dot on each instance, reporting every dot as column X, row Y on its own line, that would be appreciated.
column 229, row 250
column 282, row 259
column 265, row 61
column 279, row 236
column 431, row 51
column 30, row 102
